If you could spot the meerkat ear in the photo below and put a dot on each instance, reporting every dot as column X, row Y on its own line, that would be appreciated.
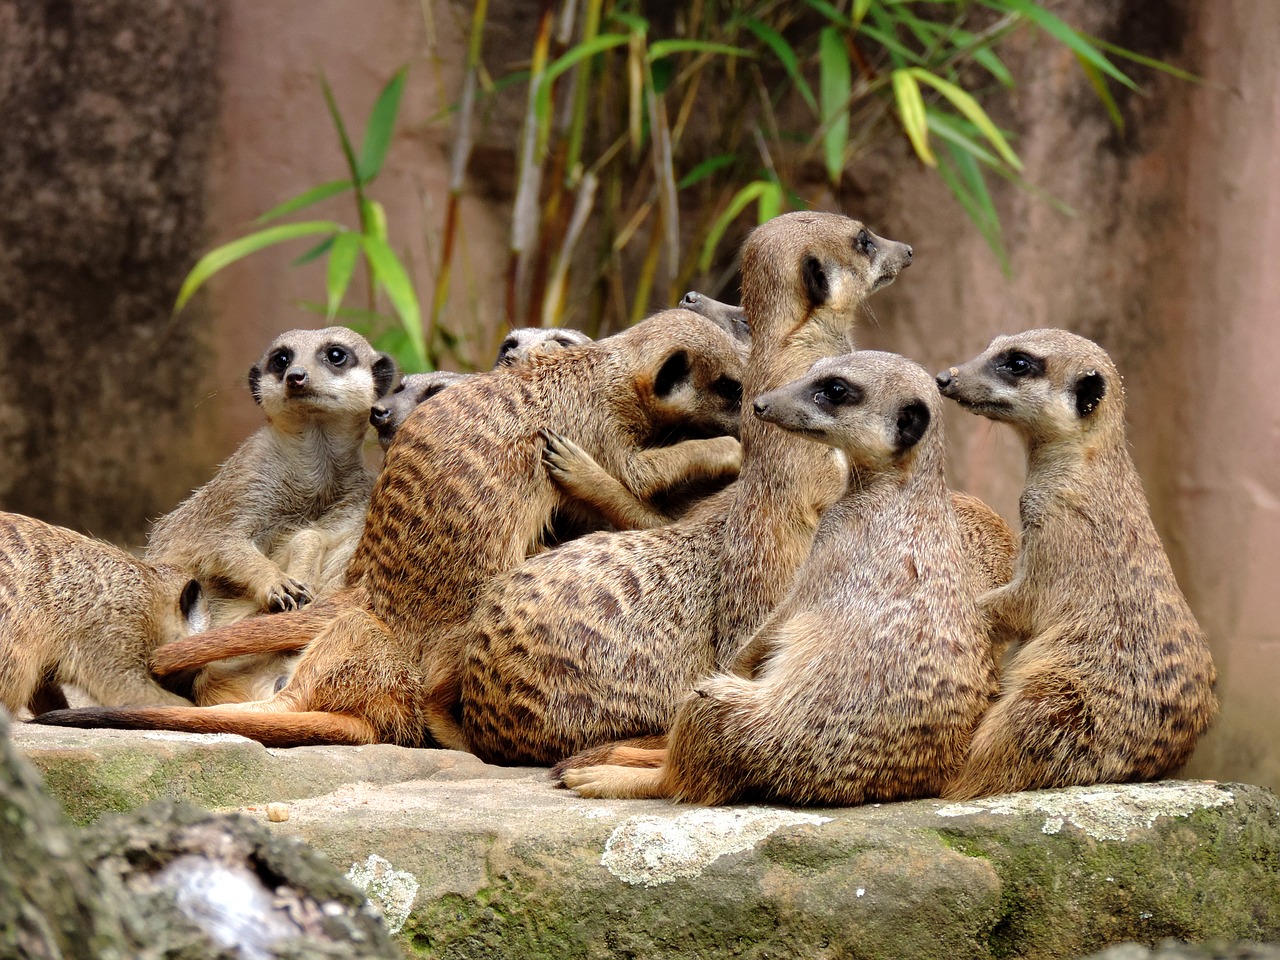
column 1090, row 389
column 255, row 375
column 384, row 374
column 913, row 421
column 816, row 285
column 674, row 372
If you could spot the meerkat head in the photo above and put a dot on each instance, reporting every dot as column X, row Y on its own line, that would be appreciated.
column 731, row 319
column 811, row 266
column 320, row 375
column 520, row 344
column 181, row 605
column 391, row 411
column 881, row 409
column 1048, row 384
column 687, row 373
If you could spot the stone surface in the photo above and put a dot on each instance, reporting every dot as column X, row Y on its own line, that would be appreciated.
column 168, row 881
column 467, row 860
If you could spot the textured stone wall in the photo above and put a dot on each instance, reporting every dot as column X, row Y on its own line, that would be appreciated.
column 108, row 109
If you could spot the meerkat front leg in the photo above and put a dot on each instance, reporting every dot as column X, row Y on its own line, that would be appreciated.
column 268, row 586
column 576, row 473
column 654, row 469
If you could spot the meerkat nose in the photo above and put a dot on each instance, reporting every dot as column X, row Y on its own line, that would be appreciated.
column 946, row 378
column 379, row 415
column 910, row 253
column 296, row 377
column 760, row 407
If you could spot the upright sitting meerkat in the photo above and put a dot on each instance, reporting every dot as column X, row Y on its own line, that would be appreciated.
column 77, row 610
column 1114, row 681
column 462, row 497
column 392, row 410
column 637, row 613
column 520, row 344
column 866, row 682
column 297, row 489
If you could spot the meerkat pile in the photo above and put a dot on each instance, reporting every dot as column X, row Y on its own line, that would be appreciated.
column 710, row 558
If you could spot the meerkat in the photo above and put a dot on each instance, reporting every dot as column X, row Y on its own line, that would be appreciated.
column 522, row 343
column 865, row 684
column 297, row 489
column 732, row 319
column 600, row 639
column 467, row 463
column 1114, row 680
column 390, row 412
column 78, row 610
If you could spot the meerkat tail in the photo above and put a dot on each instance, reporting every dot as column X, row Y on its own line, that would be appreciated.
column 619, row 783
column 648, row 751
column 269, row 633
column 271, row 729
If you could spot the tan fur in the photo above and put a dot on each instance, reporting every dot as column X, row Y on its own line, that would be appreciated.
column 392, row 410
column 463, row 496
column 600, row 639
column 77, row 610
column 866, row 683
column 524, row 342
column 1115, row 681
column 732, row 319
column 277, row 523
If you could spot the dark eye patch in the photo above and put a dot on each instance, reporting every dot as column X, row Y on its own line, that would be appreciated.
column 279, row 361
column 1015, row 365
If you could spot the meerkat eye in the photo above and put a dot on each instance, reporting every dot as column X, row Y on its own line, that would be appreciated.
column 1019, row 364
column 279, row 361
column 337, row 356
column 728, row 389
column 835, row 392
column 864, row 244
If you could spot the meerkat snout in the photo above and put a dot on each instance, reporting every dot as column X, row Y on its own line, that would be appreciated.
column 946, row 378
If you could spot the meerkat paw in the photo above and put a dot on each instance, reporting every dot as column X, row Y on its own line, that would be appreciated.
column 635, row 783
column 288, row 594
column 563, row 458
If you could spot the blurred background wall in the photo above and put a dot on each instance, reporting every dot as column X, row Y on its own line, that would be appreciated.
column 139, row 134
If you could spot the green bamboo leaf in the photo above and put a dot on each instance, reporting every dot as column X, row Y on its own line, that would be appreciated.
column 770, row 203
column 306, row 199
column 665, row 48
column 906, row 92
column 741, row 199
column 835, row 83
column 375, row 219
column 1151, row 62
column 831, row 13
column 568, row 59
column 960, row 133
column 1099, row 84
column 705, row 169
column 315, row 253
column 969, row 107
column 860, row 8
column 377, row 132
column 342, row 264
column 393, row 278
column 634, row 23
column 898, row 54
column 1067, row 36
column 341, row 127
column 786, row 56
column 986, row 58
column 229, row 253
column 959, row 172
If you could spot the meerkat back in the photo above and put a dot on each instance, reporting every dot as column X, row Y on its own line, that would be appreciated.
column 77, row 610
